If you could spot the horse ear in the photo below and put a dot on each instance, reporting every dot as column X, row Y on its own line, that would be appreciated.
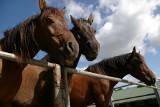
column 134, row 50
column 73, row 20
column 90, row 19
column 42, row 5
column 63, row 10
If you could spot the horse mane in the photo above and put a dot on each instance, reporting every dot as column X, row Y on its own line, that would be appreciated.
column 52, row 10
column 20, row 39
column 115, row 63
column 82, row 20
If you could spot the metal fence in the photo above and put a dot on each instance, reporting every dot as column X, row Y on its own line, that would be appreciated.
column 57, row 71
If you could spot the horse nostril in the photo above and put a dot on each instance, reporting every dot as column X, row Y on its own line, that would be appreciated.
column 153, row 80
column 70, row 46
column 89, row 45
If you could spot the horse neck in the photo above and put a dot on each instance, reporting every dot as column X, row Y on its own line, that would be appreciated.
column 74, row 31
column 75, row 63
column 20, row 40
column 113, row 68
column 21, row 44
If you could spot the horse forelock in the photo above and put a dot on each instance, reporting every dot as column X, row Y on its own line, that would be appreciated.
column 110, row 64
column 82, row 20
column 20, row 39
column 52, row 10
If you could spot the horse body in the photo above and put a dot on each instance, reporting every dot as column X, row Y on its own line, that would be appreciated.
column 39, row 81
column 26, row 39
column 9, row 85
column 99, row 91
column 92, row 90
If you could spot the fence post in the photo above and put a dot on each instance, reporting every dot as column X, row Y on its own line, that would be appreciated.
column 66, row 91
column 111, row 103
column 61, row 94
column 57, row 91
column 157, row 94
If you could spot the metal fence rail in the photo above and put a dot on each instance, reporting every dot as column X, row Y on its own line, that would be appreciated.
column 57, row 71
column 12, row 57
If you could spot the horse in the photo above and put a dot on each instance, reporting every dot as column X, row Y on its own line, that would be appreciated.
column 37, row 85
column 47, row 31
column 87, row 90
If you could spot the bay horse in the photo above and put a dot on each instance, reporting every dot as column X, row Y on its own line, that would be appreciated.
column 87, row 90
column 37, row 85
column 47, row 31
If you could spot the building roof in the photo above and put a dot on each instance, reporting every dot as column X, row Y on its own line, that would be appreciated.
column 133, row 94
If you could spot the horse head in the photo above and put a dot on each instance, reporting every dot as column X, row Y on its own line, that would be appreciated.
column 139, row 69
column 52, row 30
column 85, row 35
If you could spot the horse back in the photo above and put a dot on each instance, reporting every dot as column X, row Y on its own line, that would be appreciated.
column 31, row 87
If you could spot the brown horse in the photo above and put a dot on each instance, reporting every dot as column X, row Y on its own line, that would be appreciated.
column 47, row 31
column 87, row 90
column 37, row 85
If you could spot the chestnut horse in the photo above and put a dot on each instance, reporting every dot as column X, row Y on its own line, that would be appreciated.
column 87, row 90
column 37, row 86
column 47, row 31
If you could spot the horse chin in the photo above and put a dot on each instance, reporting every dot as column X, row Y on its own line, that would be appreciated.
column 68, row 63
column 65, row 63
column 90, row 55
column 150, row 81
column 61, row 60
column 91, row 58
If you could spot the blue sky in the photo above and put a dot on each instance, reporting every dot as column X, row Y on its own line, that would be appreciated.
column 120, row 24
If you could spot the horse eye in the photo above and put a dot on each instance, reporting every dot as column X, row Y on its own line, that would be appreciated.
column 139, row 62
column 78, row 28
column 95, row 31
column 49, row 21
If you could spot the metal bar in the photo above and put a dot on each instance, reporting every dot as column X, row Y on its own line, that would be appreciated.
column 65, row 80
column 111, row 102
column 58, row 93
column 157, row 95
column 90, row 74
column 12, row 57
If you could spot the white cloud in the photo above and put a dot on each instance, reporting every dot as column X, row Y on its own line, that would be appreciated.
column 154, row 34
column 77, row 9
column 97, row 17
column 152, row 50
column 122, row 24
column 128, row 27
column 108, row 5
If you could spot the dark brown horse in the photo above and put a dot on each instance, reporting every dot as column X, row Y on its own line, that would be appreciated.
column 47, row 31
column 37, row 86
column 87, row 90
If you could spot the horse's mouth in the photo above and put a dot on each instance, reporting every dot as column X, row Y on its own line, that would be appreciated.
column 90, row 55
column 91, row 58
column 151, row 81
column 67, row 62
